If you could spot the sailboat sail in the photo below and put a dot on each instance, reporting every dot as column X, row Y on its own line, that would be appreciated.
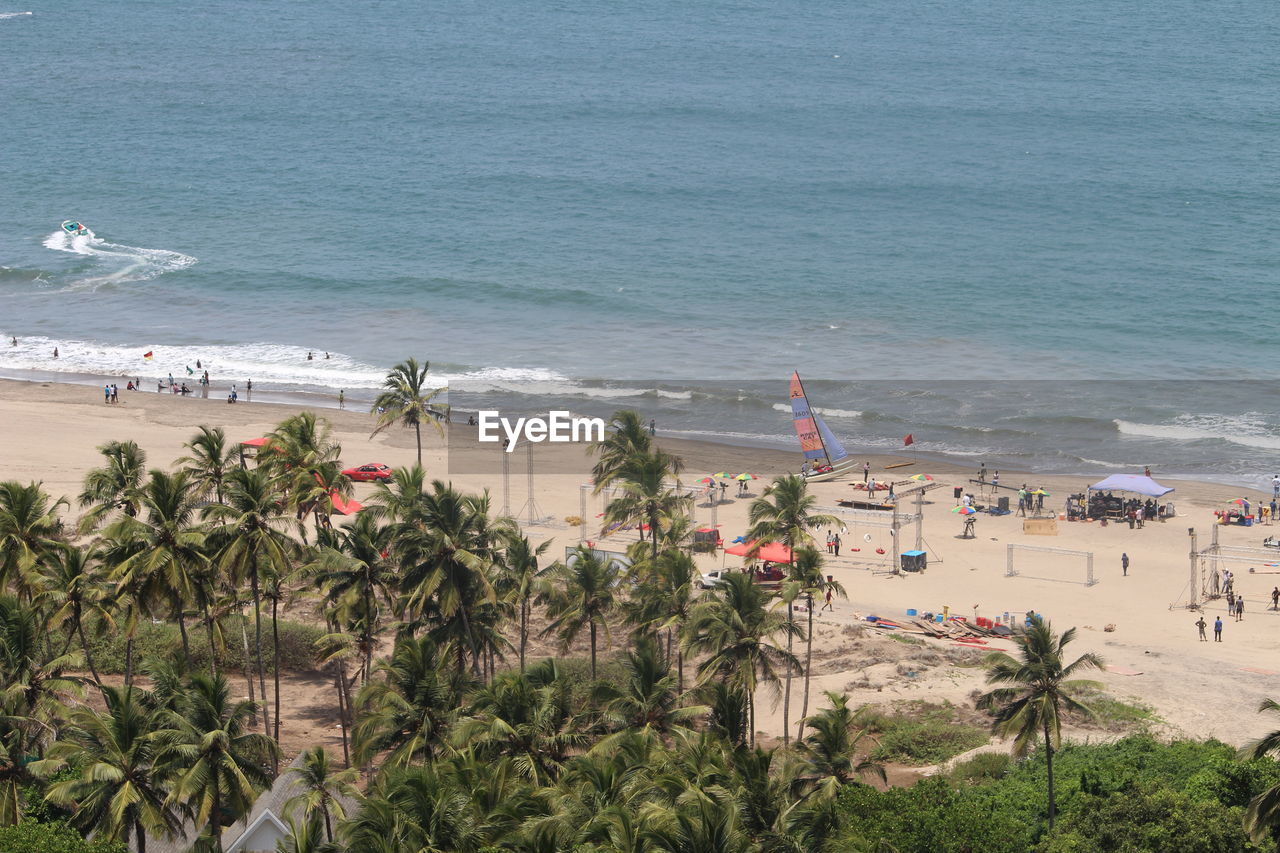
column 805, row 423
column 835, row 450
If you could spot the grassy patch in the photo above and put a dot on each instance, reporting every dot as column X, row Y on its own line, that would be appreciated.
column 920, row 733
column 1112, row 714
column 981, row 768
column 903, row 638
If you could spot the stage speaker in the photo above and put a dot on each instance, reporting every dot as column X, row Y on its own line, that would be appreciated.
column 1003, row 503
column 914, row 561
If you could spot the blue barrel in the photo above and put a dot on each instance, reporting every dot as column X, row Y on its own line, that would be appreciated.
column 911, row 611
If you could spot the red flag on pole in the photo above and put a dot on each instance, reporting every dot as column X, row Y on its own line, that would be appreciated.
column 147, row 355
column 907, row 440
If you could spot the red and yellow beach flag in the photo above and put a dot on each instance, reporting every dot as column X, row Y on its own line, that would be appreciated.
column 907, row 440
column 146, row 356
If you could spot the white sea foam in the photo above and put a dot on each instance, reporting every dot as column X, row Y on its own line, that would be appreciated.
column 830, row 413
column 122, row 263
column 1244, row 430
column 7, row 15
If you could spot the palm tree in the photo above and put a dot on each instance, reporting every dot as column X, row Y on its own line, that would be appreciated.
column 1037, row 686
column 584, row 594
column 72, row 588
column 29, row 530
column 322, row 788
column 34, row 694
column 407, row 711
column 114, row 486
column 210, row 460
column 827, row 752
column 250, row 544
column 807, row 573
column 628, row 437
column 519, row 580
column 302, row 460
column 353, row 567
column 118, row 789
column 216, row 765
column 784, row 513
column 664, row 601
column 646, row 497
column 446, row 549
column 647, row 701
column 734, row 628
column 406, row 400
column 419, row 809
column 1263, row 815
column 158, row 555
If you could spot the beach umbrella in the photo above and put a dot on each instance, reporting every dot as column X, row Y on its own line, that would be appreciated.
column 1041, row 492
column 921, row 477
column 746, row 476
column 723, row 475
column 705, row 481
column 964, row 510
column 1240, row 501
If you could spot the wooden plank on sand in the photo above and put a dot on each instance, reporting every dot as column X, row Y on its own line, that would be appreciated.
column 898, row 465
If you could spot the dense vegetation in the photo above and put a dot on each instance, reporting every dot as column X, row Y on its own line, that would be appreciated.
column 421, row 610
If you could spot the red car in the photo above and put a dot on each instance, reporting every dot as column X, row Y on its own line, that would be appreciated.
column 369, row 473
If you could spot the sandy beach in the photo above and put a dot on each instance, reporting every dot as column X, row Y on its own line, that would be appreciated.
column 49, row 432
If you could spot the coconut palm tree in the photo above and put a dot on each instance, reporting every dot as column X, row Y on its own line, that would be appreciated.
column 784, row 513
column 323, row 788
column 647, row 701
column 734, row 628
column 115, row 486
column 302, row 460
column 645, row 496
column 827, row 752
column 73, row 587
column 29, row 531
column 407, row 400
column 353, row 567
column 583, row 595
column 417, row 808
column 1263, row 814
column 250, row 544
column 627, row 438
column 1035, row 687
column 210, row 459
column 118, row 789
column 807, row 572
column 158, row 555
column 520, row 580
column 446, row 550
column 408, row 709
column 215, row 765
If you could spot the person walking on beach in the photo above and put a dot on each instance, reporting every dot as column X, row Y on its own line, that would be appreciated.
column 653, row 427
column 995, row 482
column 1217, row 630
column 1201, row 624
column 1275, row 486
column 828, row 605
column 1240, row 609
column 1275, row 598
column 982, row 473
column 835, row 545
column 342, row 399
column 1124, row 565
column 866, row 466
column 106, row 394
column 115, row 394
column 830, row 542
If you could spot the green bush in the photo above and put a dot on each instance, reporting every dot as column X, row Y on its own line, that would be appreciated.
column 32, row 837
column 981, row 768
column 157, row 640
column 920, row 733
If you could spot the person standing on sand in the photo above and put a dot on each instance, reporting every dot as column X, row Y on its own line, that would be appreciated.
column 115, row 394
column 653, row 427
column 835, row 543
column 342, row 399
column 1275, row 598
column 995, row 482
column 866, row 466
column 1201, row 624
column 1240, row 608
column 1217, row 630
column 106, row 394
column 982, row 473
column 828, row 605
column 1124, row 565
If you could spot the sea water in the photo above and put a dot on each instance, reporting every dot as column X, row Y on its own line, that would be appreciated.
column 921, row 206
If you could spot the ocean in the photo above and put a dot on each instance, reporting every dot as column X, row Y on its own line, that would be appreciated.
column 1035, row 233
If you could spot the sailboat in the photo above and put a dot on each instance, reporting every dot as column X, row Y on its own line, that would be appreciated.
column 827, row 458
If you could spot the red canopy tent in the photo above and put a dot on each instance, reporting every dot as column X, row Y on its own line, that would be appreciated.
column 254, row 442
column 344, row 507
column 774, row 552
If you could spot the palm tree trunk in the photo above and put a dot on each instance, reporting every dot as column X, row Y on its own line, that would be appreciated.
column 213, row 647
column 417, row 434
column 88, row 657
column 275, row 642
column 653, row 529
column 524, row 631
column 1048, row 758
column 786, row 696
column 808, row 667
column 257, row 645
column 328, row 825
column 592, row 623
column 751, row 710
column 186, row 642
column 679, row 670
column 128, row 661
column 141, row 835
column 248, row 669
column 342, row 717
column 215, row 816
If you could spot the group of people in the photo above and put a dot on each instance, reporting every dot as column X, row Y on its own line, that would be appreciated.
column 833, row 543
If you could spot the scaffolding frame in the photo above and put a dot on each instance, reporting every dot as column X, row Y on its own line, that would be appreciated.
column 1011, row 572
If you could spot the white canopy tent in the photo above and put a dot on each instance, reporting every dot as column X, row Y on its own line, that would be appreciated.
column 1137, row 483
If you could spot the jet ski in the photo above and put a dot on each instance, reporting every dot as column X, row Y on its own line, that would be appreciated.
column 75, row 229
